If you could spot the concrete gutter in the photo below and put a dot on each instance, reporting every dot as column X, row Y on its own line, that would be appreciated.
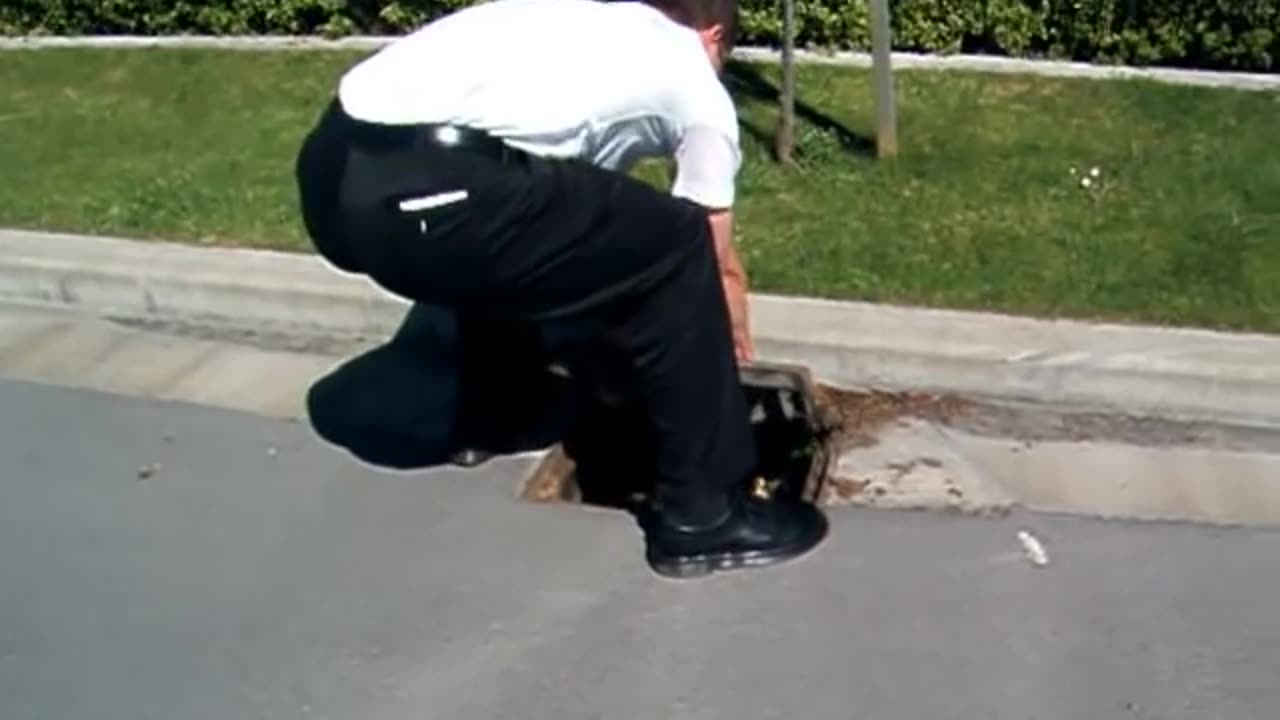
column 901, row 60
column 1170, row 373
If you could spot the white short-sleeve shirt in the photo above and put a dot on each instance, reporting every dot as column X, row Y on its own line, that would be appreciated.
column 605, row 82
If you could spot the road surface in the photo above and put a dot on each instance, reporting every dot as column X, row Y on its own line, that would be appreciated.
column 184, row 563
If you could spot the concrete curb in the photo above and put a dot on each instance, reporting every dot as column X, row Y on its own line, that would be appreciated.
column 901, row 60
column 1163, row 372
column 1174, row 373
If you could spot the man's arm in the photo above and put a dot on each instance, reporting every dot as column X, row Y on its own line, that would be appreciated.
column 734, row 279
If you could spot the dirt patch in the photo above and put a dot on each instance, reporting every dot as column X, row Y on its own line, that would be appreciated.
column 552, row 481
column 855, row 417
column 846, row 489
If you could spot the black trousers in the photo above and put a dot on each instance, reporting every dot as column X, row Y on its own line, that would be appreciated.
column 522, row 263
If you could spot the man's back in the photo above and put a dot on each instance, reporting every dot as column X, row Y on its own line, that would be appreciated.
column 603, row 81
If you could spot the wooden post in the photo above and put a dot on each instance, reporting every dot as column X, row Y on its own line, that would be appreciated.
column 882, row 72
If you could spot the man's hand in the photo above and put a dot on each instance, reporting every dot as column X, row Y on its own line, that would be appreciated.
column 734, row 279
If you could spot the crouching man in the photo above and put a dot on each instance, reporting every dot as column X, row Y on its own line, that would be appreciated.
column 477, row 167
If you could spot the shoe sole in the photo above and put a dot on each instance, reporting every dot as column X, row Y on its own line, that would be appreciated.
column 699, row 566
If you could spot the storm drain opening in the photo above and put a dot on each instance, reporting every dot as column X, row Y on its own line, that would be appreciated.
column 801, row 428
column 608, row 462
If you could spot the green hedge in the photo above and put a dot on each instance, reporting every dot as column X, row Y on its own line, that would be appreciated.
column 1236, row 34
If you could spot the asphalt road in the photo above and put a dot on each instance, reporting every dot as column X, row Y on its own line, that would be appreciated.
column 183, row 563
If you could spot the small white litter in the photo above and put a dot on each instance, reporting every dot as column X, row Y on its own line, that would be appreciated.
column 1034, row 549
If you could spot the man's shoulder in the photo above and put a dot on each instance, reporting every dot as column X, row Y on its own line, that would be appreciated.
column 703, row 100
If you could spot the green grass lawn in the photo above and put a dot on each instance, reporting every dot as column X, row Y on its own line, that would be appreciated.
column 981, row 210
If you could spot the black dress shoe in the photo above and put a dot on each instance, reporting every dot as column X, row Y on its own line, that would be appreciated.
column 754, row 533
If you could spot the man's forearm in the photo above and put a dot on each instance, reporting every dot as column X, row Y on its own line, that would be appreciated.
column 734, row 278
column 731, row 270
